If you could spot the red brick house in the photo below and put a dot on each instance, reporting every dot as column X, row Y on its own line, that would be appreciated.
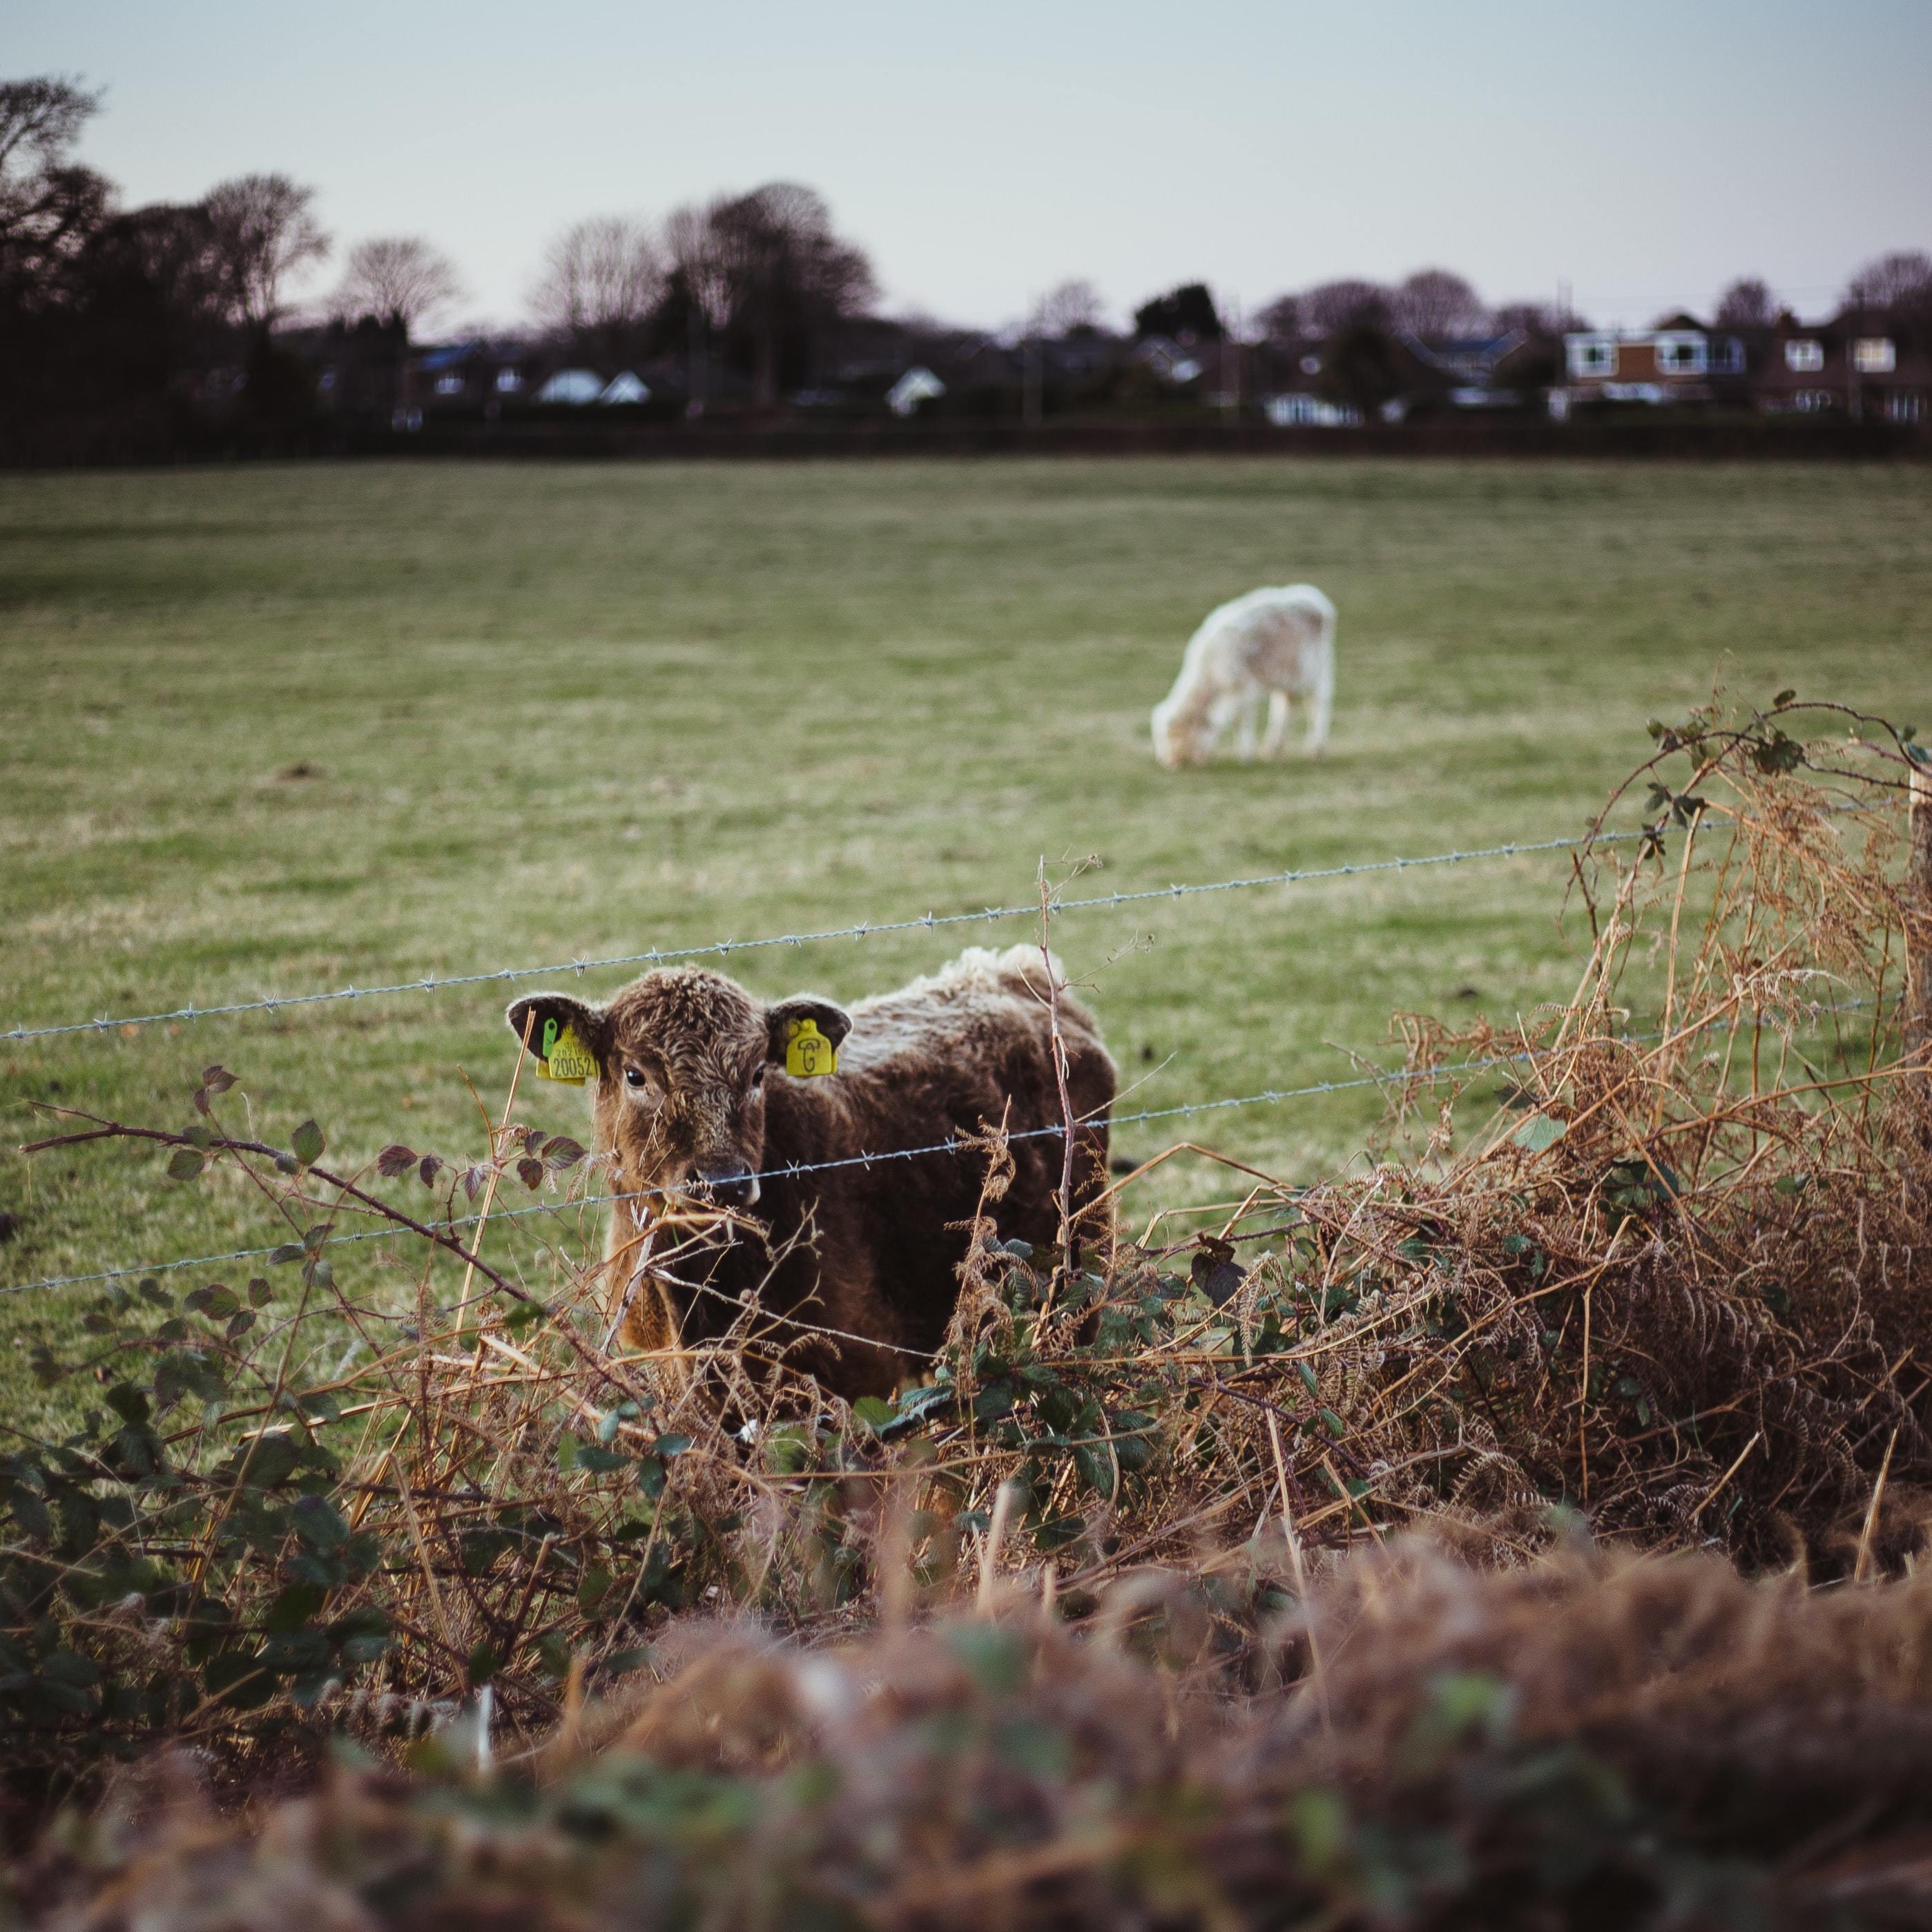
column 1862, row 364
column 1683, row 363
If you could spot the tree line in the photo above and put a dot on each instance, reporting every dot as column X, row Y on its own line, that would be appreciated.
column 110, row 311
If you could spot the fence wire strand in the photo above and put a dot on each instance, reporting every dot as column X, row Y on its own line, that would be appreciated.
column 1267, row 1096
column 723, row 948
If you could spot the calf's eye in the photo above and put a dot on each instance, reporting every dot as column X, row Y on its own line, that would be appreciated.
column 633, row 1077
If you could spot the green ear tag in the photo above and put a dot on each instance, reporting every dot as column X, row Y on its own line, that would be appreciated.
column 809, row 1053
column 562, row 1056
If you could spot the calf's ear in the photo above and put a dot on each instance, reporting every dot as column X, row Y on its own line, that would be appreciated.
column 541, row 1018
column 833, row 1022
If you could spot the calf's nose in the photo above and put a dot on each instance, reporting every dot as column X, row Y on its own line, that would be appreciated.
column 729, row 1187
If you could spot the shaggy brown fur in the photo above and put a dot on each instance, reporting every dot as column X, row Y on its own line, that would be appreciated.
column 692, row 1103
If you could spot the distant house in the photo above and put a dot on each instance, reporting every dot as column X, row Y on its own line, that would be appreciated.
column 918, row 385
column 1171, row 360
column 624, row 387
column 577, row 387
column 1469, row 368
column 1297, row 409
column 1859, row 365
column 1680, row 364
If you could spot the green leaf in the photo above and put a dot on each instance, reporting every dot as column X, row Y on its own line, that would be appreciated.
column 307, row 1144
column 319, row 1524
column 238, row 1679
column 1538, row 1132
column 1096, row 1469
column 259, row 1293
column 127, row 1402
column 919, row 1405
column 292, row 1609
column 872, row 1413
column 65, row 1666
column 185, row 1164
column 362, row 1636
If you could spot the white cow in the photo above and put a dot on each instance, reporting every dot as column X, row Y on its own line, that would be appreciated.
column 1276, row 644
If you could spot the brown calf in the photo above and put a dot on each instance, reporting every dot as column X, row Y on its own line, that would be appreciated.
column 692, row 1102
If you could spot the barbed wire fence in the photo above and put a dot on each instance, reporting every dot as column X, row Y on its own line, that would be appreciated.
column 1401, row 1078
column 1385, row 1079
column 657, row 956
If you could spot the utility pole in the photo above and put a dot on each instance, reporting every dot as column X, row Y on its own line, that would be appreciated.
column 1230, row 366
column 1031, row 383
column 696, row 366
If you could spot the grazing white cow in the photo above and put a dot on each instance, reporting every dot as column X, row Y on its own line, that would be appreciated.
column 1272, row 644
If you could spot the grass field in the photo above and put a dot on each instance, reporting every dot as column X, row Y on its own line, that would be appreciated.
column 276, row 730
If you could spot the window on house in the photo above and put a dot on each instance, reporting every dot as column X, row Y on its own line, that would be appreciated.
column 1727, row 356
column 508, row 380
column 1802, row 356
column 1813, row 399
column 1680, row 355
column 1906, row 406
column 1593, row 356
column 449, row 385
column 1874, row 355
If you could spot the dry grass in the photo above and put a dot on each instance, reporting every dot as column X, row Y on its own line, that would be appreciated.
column 1588, row 1741
column 1676, row 1288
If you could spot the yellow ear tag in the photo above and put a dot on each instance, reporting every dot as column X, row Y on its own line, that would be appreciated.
column 809, row 1053
column 561, row 1056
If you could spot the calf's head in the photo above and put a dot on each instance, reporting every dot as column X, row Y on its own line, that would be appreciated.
column 679, row 1094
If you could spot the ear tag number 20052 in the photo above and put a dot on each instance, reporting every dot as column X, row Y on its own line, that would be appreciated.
column 809, row 1053
column 561, row 1056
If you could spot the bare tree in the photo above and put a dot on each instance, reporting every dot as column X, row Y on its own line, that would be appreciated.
column 1538, row 320
column 1747, row 303
column 1902, row 280
column 400, row 279
column 1281, row 320
column 600, row 280
column 40, row 120
column 1435, row 302
column 1075, row 304
column 695, row 264
column 48, row 204
column 785, row 276
column 265, row 228
column 1330, row 306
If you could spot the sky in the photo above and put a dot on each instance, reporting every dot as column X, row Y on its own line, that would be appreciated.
column 1644, row 153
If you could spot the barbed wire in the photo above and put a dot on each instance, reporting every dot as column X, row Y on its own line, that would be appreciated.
column 723, row 948
column 1267, row 1096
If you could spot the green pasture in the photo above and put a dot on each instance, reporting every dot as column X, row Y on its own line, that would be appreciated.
column 274, row 730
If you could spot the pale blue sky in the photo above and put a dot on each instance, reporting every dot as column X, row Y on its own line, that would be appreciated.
column 1648, row 151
